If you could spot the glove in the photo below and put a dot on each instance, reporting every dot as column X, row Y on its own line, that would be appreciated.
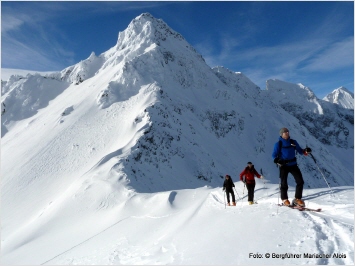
column 308, row 150
column 224, row 189
column 261, row 176
column 279, row 161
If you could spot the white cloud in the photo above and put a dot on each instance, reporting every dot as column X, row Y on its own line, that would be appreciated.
column 10, row 23
column 338, row 55
column 293, row 62
column 30, row 40
column 19, row 54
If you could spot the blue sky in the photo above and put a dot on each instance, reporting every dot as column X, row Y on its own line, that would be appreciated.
column 299, row 42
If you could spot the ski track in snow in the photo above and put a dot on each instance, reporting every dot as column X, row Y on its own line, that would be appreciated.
column 328, row 241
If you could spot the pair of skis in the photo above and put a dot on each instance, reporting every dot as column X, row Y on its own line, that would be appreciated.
column 300, row 208
column 236, row 205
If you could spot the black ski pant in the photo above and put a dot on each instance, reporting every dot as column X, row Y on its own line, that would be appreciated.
column 231, row 192
column 295, row 171
column 250, row 188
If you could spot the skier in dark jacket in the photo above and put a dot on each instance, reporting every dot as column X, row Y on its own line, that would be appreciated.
column 284, row 156
column 228, row 186
column 247, row 176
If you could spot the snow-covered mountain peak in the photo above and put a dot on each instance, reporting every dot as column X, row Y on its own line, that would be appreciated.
column 289, row 90
column 92, row 56
column 345, row 90
column 81, row 71
column 152, row 27
column 145, row 39
column 341, row 96
column 147, row 45
column 145, row 31
column 292, row 95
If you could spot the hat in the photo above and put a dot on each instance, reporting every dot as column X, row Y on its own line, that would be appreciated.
column 283, row 130
column 249, row 163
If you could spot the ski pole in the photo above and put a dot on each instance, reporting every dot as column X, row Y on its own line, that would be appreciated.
column 237, row 193
column 278, row 198
column 224, row 198
column 243, row 193
column 314, row 159
column 261, row 172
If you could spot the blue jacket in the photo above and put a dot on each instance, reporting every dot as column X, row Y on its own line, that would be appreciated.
column 288, row 152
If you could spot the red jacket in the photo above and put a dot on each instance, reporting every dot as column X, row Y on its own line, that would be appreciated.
column 249, row 174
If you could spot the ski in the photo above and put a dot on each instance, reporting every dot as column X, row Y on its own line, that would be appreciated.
column 302, row 208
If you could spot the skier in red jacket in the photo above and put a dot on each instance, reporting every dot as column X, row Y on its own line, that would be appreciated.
column 247, row 176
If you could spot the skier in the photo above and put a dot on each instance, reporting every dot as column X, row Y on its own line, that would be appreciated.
column 228, row 186
column 249, row 172
column 284, row 155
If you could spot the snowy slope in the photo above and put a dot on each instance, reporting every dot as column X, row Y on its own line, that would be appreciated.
column 143, row 135
column 193, row 227
column 342, row 97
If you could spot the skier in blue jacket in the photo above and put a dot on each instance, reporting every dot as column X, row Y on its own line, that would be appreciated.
column 284, row 156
